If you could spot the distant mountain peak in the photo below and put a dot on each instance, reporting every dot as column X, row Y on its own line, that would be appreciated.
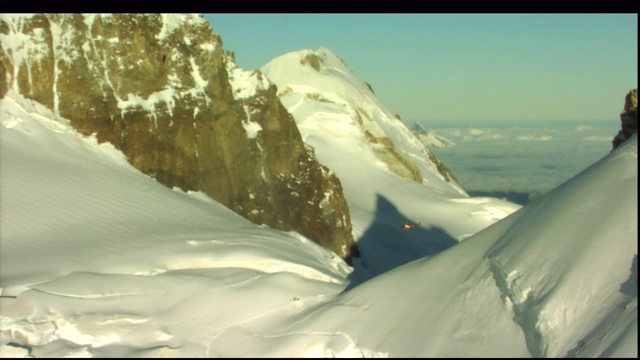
column 430, row 138
column 418, row 128
column 320, row 91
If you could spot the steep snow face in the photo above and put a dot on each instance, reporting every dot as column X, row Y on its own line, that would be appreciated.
column 322, row 93
column 555, row 279
column 576, row 226
column 350, row 130
column 569, row 253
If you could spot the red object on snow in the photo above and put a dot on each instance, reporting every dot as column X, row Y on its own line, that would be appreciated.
column 408, row 226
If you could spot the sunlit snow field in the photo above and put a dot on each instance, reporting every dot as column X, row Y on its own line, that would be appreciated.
column 520, row 160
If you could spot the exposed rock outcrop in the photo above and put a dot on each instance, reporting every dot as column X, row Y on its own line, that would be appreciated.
column 386, row 151
column 430, row 139
column 161, row 89
column 3, row 80
column 628, row 118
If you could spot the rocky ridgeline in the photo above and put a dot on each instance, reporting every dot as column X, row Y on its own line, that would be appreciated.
column 428, row 140
column 628, row 118
column 162, row 90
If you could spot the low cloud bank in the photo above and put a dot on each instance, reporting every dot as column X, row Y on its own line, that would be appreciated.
column 520, row 161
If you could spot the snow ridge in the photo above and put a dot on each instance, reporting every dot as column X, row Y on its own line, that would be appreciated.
column 523, row 306
column 321, row 92
column 550, row 294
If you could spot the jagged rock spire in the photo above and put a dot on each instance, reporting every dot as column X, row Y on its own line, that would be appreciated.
column 628, row 118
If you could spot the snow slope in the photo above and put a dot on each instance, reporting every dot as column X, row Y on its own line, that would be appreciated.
column 334, row 110
column 555, row 279
column 97, row 259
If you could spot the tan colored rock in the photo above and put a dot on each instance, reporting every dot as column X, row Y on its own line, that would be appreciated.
column 158, row 88
column 3, row 80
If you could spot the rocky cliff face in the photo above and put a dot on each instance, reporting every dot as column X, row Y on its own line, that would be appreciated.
column 162, row 90
column 628, row 118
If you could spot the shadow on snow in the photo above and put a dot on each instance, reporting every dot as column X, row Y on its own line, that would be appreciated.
column 384, row 245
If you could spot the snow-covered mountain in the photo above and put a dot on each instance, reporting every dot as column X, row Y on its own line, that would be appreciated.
column 388, row 176
column 324, row 96
column 556, row 279
column 97, row 258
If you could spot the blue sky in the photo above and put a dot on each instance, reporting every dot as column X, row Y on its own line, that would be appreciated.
column 462, row 66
